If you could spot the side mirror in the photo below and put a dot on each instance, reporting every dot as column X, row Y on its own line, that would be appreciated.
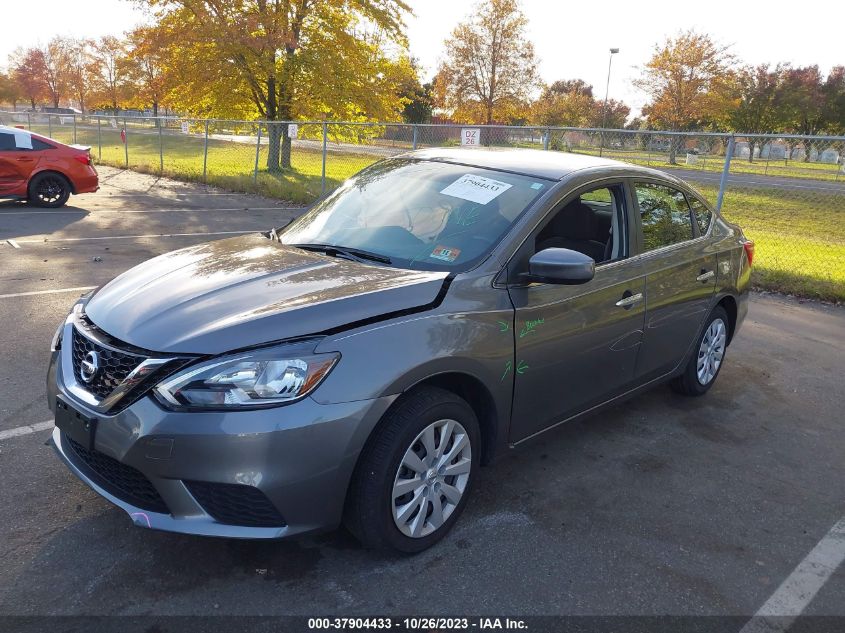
column 560, row 266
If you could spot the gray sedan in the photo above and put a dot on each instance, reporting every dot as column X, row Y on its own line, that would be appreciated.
column 359, row 365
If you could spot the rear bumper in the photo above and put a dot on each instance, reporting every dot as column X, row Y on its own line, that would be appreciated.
column 86, row 183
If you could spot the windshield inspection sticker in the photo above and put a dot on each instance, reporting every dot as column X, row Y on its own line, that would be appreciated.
column 476, row 188
column 445, row 253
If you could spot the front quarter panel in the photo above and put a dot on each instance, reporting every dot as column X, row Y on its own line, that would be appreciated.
column 471, row 333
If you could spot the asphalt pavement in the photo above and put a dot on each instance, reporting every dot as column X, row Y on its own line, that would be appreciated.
column 662, row 506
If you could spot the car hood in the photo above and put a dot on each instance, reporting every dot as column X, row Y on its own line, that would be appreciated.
column 246, row 291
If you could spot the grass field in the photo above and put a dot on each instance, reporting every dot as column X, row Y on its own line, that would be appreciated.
column 799, row 235
column 799, row 238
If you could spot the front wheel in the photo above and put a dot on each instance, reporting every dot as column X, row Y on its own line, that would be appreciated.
column 49, row 190
column 706, row 361
column 413, row 478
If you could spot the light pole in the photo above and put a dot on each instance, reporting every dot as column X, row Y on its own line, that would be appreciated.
column 613, row 52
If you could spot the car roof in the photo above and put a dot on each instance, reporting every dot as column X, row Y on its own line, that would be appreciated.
column 551, row 165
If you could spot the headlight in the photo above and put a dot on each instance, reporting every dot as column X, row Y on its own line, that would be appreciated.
column 253, row 379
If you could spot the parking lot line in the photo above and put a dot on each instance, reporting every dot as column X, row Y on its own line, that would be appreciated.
column 802, row 585
column 26, row 429
column 130, row 237
column 46, row 292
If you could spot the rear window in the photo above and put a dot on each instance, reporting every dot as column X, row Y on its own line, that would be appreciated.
column 701, row 214
column 38, row 144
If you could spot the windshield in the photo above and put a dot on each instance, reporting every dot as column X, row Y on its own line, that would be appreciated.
column 421, row 215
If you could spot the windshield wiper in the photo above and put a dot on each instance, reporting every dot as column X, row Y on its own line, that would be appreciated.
column 349, row 252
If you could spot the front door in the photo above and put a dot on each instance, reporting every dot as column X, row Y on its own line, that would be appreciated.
column 576, row 346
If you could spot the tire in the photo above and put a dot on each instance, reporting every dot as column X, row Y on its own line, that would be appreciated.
column 703, row 367
column 49, row 189
column 373, row 514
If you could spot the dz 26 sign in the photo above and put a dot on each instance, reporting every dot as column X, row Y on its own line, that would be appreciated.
column 470, row 136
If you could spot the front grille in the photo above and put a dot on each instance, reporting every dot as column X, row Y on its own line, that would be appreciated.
column 121, row 480
column 115, row 366
column 235, row 504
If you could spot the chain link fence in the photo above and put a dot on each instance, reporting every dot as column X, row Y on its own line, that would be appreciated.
column 787, row 192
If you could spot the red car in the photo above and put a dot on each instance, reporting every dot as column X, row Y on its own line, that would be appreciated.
column 42, row 170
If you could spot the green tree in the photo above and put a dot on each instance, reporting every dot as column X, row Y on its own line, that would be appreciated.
column 491, row 69
column 760, row 102
column 286, row 59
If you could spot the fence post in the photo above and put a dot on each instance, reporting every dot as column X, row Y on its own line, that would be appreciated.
column 205, row 154
column 257, row 151
column 415, row 137
column 29, row 121
column 74, row 128
column 125, row 143
column 49, row 126
column 323, row 175
column 723, row 183
column 99, row 140
column 160, row 149
column 546, row 133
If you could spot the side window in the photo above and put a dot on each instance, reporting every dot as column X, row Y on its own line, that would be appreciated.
column 665, row 215
column 701, row 213
column 590, row 224
column 7, row 142
column 38, row 144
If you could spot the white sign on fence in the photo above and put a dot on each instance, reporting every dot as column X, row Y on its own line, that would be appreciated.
column 293, row 130
column 470, row 136
column 185, row 128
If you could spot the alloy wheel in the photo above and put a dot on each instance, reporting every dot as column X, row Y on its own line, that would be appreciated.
column 49, row 190
column 432, row 478
column 711, row 351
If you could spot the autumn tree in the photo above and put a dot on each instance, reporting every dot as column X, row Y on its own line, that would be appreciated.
column 54, row 68
column 82, row 70
column 109, row 51
column 10, row 91
column 686, row 79
column 26, row 67
column 287, row 58
column 491, row 69
column 611, row 116
column 566, row 103
column 144, row 66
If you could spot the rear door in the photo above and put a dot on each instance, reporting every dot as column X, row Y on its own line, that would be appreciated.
column 680, row 270
column 17, row 160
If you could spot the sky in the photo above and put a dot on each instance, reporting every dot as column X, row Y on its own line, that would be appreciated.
column 571, row 38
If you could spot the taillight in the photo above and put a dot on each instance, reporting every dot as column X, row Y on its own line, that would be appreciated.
column 748, row 245
column 85, row 158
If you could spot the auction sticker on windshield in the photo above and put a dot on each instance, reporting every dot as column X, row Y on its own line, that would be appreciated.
column 445, row 253
column 476, row 188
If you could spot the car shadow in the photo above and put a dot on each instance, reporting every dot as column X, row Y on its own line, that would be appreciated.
column 20, row 219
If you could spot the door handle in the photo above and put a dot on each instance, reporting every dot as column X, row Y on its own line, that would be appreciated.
column 630, row 300
column 25, row 160
column 705, row 275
